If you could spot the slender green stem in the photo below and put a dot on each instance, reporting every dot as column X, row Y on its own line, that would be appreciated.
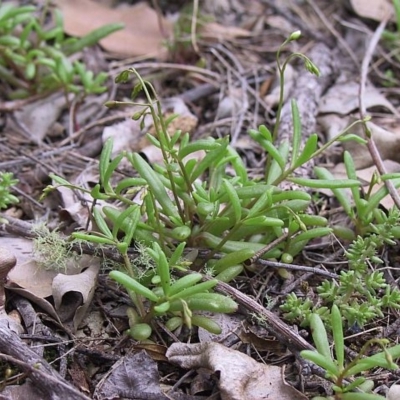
column 282, row 69
column 162, row 135
column 158, row 220
column 318, row 152
column 138, row 302
column 128, row 265
column 224, row 240
column 136, row 299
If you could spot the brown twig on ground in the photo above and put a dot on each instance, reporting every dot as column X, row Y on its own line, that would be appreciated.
column 273, row 323
column 367, row 128
column 45, row 378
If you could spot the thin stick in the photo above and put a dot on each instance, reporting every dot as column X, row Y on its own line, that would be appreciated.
column 368, row 129
column 194, row 26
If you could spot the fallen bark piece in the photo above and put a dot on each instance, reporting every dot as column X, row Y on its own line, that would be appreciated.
column 241, row 377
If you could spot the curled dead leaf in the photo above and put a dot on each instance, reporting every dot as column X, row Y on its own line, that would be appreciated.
column 73, row 294
column 241, row 377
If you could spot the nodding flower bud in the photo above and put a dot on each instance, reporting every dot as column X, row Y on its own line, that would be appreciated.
column 311, row 67
column 295, row 35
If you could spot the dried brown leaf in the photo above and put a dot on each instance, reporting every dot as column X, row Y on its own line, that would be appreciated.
column 372, row 9
column 73, row 294
column 141, row 36
column 241, row 377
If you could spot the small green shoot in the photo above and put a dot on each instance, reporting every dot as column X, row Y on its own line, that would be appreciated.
column 347, row 383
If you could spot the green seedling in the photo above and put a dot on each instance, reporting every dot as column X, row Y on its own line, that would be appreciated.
column 7, row 181
column 176, row 301
column 361, row 292
column 348, row 382
column 197, row 202
column 36, row 60
column 363, row 210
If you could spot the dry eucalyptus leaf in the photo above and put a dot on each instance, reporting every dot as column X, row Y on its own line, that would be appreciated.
column 228, row 323
column 387, row 142
column 343, row 98
column 27, row 274
column 73, row 293
column 333, row 124
column 281, row 23
column 27, row 279
column 74, row 207
column 38, row 117
column 28, row 390
column 126, row 135
column 241, row 377
column 141, row 36
column 218, row 32
column 259, row 338
column 134, row 376
column 377, row 10
column 393, row 393
column 232, row 104
column 184, row 120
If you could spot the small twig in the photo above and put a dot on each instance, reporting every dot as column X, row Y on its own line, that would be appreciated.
column 90, row 125
column 239, row 77
column 194, row 26
column 274, row 324
column 312, row 270
column 30, row 198
column 30, row 160
column 35, row 369
column 162, row 65
column 368, row 129
column 342, row 42
column 267, row 248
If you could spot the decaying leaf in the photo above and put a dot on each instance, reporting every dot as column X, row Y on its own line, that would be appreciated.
column 37, row 283
column 259, row 338
column 229, row 324
column 241, row 377
column 135, row 376
column 387, row 143
column 343, row 98
column 28, row 390
column 27, row 274
column 218, row 32
column 38, row 117
column 394, row 392
column 141, row 36
column 126, row 135
column 73, row 294
column 373, row 9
